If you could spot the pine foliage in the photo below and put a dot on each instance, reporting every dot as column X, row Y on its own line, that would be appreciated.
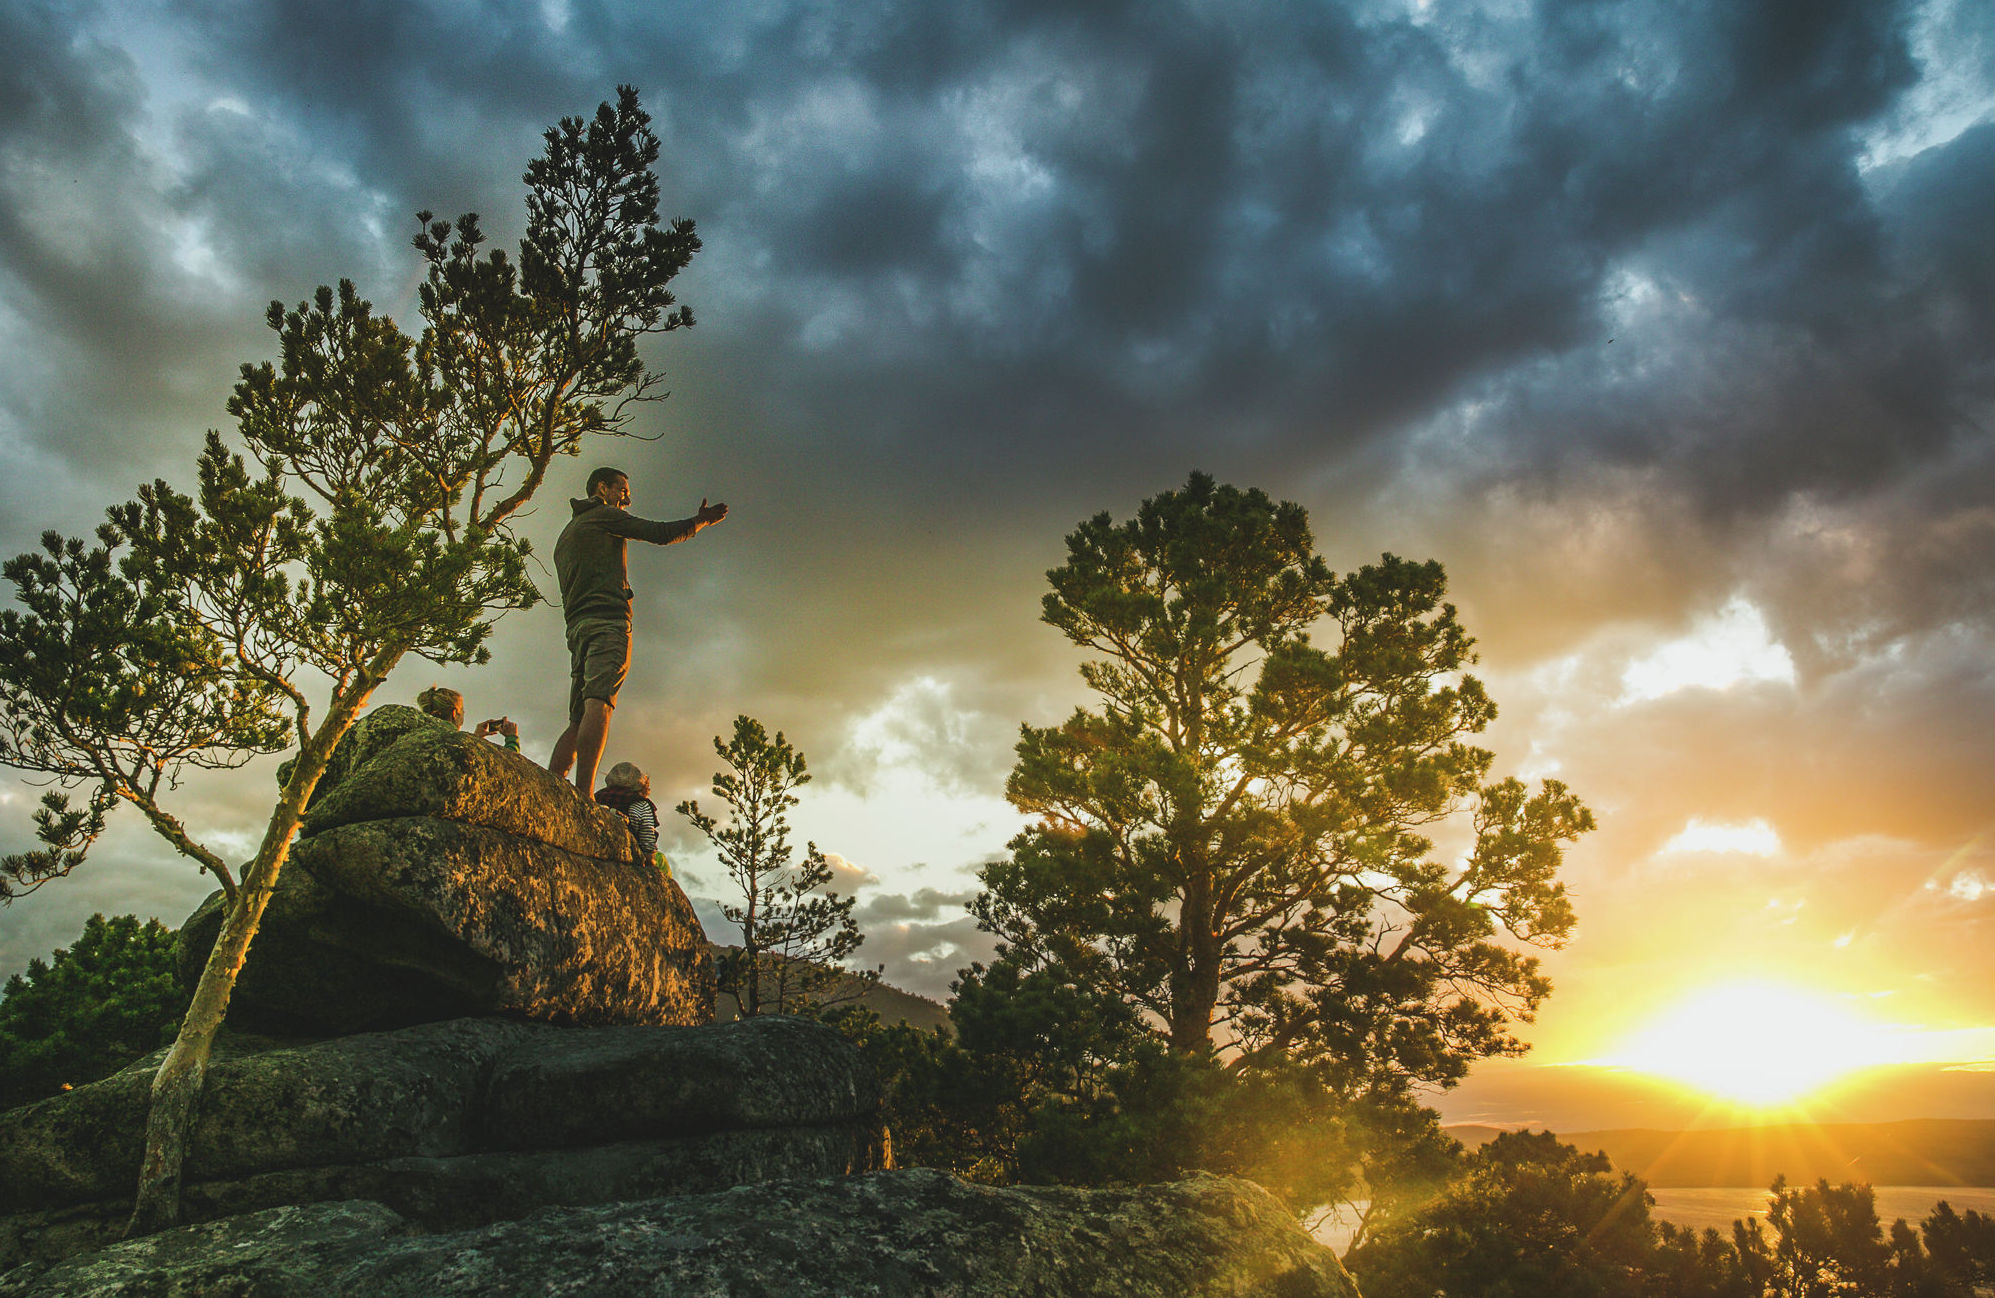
column 795, row 933
column 89, row 1010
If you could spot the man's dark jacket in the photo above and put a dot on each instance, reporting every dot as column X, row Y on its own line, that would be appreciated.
column 589, row 557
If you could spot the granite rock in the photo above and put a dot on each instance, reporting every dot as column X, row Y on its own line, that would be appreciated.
column 452, row 1124
column 422, row 767
column 908, row 1234
column 443, row 877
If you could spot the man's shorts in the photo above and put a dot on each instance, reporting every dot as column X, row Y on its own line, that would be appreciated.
column 598, row 658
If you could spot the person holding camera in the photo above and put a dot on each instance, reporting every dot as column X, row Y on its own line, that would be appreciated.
column 446, row 704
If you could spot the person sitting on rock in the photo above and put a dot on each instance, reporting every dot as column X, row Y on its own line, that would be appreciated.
column 628, row 790
column 448, row 705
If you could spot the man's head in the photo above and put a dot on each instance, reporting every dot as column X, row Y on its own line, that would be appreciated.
column 611, row 486
column 443, row 704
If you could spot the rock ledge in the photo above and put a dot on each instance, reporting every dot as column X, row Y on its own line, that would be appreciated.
column 454, row 1124
column 439, row 876
column 910, row 1234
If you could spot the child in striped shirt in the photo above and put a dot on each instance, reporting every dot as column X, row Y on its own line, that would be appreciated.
column 626, row 788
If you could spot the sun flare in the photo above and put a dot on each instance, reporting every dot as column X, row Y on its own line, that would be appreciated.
column 1758, row 1044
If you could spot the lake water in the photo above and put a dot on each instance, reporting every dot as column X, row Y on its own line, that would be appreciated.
column 1720, row 1206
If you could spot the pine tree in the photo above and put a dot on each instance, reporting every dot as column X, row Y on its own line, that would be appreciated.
column 1236, row 847
column 90, row 1009
column 367, row 517
column 795, row 936
column 1235, row 857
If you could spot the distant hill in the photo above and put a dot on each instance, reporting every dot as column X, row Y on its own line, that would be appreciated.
column 891, row 1003
column 1933, row 1151
column 1578, row 1097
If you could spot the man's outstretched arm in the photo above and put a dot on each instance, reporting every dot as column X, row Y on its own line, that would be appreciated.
column 619, row 522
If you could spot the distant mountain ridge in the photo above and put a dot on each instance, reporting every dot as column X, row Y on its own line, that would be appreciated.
column 1924, row 1151
column 891, row 1003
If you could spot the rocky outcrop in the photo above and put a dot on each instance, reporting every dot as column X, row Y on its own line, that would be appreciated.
column 370, row 733
column 453, row 1124
column 550, row 1108
column 890, row 1234
column 426, row 768
column 439, row 876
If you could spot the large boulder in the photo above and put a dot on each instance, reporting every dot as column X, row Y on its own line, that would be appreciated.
column 370, row 733
column 439, row 876
column 890, row 1234
column 452, row 1124
column 407, row 764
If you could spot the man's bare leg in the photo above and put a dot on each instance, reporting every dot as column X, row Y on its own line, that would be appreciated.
column 590, row 737
column 564, row 751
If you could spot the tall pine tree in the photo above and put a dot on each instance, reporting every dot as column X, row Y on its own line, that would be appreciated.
column 1235, row 857
column 362, row 513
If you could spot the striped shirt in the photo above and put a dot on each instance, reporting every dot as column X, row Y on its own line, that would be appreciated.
column 643, row 817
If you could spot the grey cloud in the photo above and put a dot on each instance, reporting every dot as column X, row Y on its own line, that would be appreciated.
column 922, row 940
column 140, row 236
column 848, row 876
column 1820, row 352
column 924, row 905
column 921, row 948
column 1291, row 223
column 130, row 870
column 712, row 918
column 959, row 733
column 1932, row 204
column 426, row 100
column 1895, row 744
column 90, row 284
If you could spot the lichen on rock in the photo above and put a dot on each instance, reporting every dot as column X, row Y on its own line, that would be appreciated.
column 910, row 1234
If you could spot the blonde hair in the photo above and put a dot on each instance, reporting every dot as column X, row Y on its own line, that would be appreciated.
column 443, row 703
column 625, row 775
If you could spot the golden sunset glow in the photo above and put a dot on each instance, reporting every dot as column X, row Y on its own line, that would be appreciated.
column 1757, row 1043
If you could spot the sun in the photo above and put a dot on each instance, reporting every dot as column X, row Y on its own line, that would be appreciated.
column 1760, row 1044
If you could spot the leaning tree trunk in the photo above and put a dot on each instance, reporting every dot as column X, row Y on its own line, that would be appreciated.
column 176, row 1088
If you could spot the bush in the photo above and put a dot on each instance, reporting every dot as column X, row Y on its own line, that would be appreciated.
column 1531, row 1216
column 89, row 1010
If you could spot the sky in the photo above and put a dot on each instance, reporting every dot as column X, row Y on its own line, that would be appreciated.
column 1665, row 326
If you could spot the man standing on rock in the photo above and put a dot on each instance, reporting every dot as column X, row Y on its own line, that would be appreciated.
column 595, row 602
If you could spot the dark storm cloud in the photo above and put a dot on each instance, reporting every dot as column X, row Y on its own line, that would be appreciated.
column 1293, row 228
column 399, row 92
column 136, row 234
column 80, row 275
